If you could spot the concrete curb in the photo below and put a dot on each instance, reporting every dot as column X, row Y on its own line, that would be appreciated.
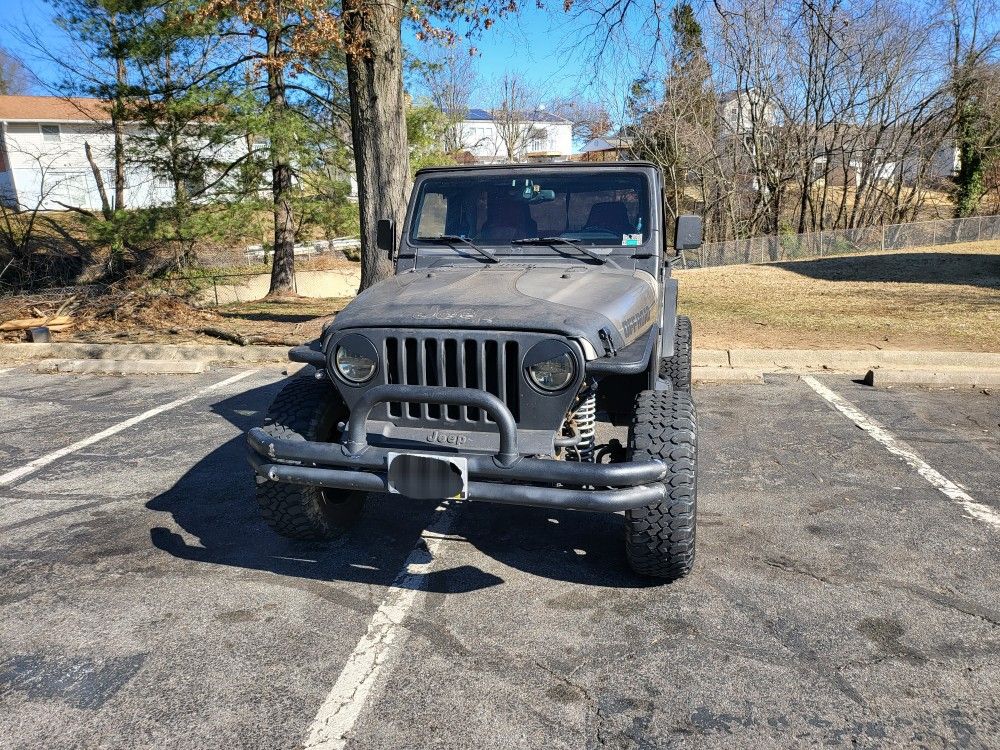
column 858, row 361
column 710, row 365
column 710, row 358
column 123, row 367
column 727, row 375
column 970, row 377
column 215, row 353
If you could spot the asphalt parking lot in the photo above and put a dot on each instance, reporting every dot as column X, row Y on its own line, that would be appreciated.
column 842, row 596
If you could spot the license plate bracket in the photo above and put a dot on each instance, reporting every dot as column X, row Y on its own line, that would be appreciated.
column 424, row 476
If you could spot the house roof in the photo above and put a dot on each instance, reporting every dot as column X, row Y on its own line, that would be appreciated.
column 539, row 115
column 610, row 143
column 52, row 109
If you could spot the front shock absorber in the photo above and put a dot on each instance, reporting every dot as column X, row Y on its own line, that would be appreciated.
column 583, row 421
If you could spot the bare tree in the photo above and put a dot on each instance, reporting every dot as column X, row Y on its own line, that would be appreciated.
column 22, row 217
column 971, row 46
column 590, row 118
column 449, row 76
column 802, row 115
column 14, row 77
column 93, row 61
column 516, row 111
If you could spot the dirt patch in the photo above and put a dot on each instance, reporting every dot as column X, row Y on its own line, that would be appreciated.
column 944, row 298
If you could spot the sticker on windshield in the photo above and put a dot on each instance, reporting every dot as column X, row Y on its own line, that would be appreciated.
column 631, row 240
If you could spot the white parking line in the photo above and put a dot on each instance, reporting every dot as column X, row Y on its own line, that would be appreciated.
column 897, row 447
column 6, row 370
column 39, row 463
column 340, row 710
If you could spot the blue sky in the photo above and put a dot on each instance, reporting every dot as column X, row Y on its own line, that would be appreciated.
column 540, row 45
column 533, row 44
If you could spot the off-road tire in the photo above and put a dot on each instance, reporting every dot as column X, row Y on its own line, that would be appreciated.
column 660, row 538
column 677, row 368
column 307, row 409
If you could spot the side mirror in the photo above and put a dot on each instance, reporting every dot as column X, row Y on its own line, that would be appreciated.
column 385, row 236
column 687, row 233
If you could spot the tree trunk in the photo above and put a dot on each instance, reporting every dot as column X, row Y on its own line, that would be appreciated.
column 283, row 267
column 118, row 114
column 106, row 211
column 378, row 125
column 969, row 180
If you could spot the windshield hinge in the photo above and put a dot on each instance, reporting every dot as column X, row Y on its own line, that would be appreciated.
column 609, row 346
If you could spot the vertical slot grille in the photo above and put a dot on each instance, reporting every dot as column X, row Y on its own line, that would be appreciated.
column 392, row 371
column 452, row 376
column 511, row 365
column 472, row 377
column 411, row 372
column 434, row 375
column 483, row 364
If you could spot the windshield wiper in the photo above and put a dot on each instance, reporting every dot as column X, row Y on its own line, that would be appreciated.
column 452, row 239
column 560, row 241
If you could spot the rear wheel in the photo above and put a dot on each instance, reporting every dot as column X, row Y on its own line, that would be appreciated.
column 307, row 409
column 660, row 538
column 677, row 368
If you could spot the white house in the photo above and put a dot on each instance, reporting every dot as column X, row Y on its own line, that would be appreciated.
column 535, row 136
column 741, row 112
column 43, row 161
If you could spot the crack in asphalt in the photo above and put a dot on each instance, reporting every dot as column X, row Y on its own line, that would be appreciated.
column 949, row 602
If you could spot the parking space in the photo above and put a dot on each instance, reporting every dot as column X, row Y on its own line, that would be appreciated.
column 839, row 598
column 40, row 413
column 954, row 429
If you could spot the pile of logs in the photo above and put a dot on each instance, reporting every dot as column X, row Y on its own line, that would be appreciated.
column 55, row 322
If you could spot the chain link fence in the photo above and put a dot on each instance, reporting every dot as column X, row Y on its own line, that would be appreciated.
column 323, row 269
column 844, row 242
column 215, row 289
column 342, row 248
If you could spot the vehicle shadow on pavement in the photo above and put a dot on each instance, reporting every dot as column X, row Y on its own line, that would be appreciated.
column 564, row 545
column 213, row 502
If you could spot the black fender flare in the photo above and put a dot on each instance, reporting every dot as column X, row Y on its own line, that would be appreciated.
column 668, row 321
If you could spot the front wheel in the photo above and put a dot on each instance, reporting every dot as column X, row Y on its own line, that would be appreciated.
column 307, row 409
column 677, row 368
column 660, row 538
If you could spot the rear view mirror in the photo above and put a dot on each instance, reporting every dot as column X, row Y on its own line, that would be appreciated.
column 687, row 233
column 543, row 196
column 385, row 236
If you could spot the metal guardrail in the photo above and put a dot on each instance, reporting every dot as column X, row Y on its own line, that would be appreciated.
column 783, row 247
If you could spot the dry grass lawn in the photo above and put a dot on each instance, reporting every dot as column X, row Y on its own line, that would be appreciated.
column 944, row 298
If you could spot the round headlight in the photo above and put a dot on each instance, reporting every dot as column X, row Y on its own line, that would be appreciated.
column 553, row 374
column 355, row 359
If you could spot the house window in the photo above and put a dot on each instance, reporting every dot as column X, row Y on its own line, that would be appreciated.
column 50, row 133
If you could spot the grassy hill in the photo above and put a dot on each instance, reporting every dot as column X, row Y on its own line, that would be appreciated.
column 944, row 297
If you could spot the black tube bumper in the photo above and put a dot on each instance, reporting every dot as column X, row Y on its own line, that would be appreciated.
column 505, row 477
column 541, row 482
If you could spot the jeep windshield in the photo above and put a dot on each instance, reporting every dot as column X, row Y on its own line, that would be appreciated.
column 515, row 212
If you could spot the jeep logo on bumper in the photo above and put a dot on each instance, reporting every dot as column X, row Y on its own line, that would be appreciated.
column 448, row 439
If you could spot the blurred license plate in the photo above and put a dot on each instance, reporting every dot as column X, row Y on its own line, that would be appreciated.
column 424, row 477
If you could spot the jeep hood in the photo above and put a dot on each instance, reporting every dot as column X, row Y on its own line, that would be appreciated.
column 574, row 302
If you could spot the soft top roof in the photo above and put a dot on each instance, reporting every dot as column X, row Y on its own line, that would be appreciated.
column 582, row 165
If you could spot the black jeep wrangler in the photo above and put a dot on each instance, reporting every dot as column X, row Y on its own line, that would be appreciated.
column 529, row 301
